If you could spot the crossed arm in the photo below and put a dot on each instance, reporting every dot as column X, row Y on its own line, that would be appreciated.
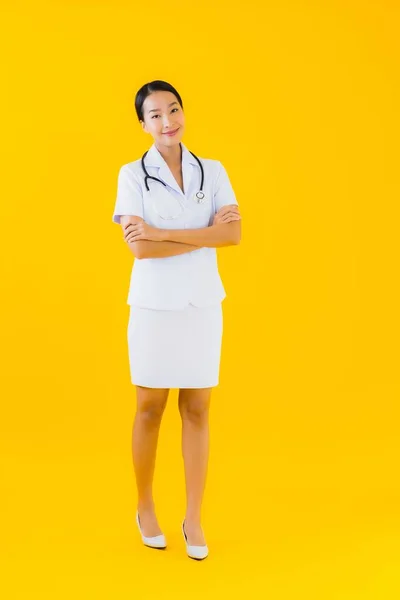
column 150, row 242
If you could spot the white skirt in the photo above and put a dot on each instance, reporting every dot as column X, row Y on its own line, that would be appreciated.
column 175, row 348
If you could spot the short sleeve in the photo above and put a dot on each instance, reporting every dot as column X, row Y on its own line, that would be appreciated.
column 129, row 195
column 224, row 193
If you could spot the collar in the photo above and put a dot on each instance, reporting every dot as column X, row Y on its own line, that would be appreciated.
column 154, row 158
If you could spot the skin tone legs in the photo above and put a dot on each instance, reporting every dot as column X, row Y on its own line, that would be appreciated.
column 150, row 408
column 194, row 410
column 194, row 407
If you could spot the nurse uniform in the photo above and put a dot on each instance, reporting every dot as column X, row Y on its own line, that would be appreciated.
column 175, row 322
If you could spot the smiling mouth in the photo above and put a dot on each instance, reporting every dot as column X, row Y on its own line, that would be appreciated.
column 171, row 132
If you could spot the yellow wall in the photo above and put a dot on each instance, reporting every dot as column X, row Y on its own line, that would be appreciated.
column 300, row 101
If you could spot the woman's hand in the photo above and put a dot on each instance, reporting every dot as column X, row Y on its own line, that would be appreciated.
column 227, row 214
column 142, row 231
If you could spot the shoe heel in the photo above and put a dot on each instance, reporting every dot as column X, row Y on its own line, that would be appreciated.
column 195, row 552
column 156, row 541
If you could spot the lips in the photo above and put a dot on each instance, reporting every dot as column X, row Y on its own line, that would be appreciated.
column 171, row 133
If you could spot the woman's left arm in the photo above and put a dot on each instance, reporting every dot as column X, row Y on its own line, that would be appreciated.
column 215, row 236
column 226, row 230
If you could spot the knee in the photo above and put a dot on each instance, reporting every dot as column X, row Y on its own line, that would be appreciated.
column 151, row 412
column 195, row 411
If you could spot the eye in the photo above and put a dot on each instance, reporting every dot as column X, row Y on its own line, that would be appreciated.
column 159, row 115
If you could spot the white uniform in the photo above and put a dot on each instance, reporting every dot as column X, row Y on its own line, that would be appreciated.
column 175, row 322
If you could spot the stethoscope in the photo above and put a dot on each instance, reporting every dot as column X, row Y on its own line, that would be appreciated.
column 200, row 197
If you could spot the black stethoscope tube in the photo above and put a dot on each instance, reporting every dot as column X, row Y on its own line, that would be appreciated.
column 147, row 176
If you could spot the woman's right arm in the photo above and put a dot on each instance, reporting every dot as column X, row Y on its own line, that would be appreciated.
column 149, row 249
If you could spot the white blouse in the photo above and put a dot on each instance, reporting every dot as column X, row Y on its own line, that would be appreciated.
column 173, row 282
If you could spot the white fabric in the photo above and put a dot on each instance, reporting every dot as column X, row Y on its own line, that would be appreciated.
column 174, row 282
column 175, row 349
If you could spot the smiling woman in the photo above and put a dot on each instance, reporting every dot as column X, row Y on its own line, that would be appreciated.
column 175, row 209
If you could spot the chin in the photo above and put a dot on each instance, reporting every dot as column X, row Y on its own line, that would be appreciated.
column 171, row 141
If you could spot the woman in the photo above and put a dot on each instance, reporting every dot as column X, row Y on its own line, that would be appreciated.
column 175, row 210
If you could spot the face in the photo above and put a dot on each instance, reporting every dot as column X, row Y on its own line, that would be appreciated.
column 162, row 113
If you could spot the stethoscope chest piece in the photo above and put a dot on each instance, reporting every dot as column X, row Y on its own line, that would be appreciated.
column 200, row 197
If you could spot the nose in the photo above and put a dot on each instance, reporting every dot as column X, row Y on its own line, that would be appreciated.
column 167, row 122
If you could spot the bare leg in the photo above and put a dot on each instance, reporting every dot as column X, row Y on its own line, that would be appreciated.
column 150, row 409
column 194, row 410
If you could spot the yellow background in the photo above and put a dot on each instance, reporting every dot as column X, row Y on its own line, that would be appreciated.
column 300, row 101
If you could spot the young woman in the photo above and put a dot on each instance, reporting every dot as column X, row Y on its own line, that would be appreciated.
column 175, row 209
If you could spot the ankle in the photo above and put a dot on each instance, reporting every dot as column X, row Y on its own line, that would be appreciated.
column 145, row 506
column 193, row 520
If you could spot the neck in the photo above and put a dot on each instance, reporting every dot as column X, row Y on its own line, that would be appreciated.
column 171, row 154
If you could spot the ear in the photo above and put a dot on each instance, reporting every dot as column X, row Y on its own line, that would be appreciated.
column 144, row 126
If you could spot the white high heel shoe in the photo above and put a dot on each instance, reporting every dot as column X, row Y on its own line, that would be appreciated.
column 156, row 541
column 196, row 552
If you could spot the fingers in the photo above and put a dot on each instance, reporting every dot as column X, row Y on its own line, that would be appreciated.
column 227, row 214
column 228, row 208
column 132, row 238
column 228, row 217
column 230, row 214
column 132, row 226
column 132, row 232
column 128, row 229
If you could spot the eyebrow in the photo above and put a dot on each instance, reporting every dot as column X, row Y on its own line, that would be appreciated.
column 156, row 109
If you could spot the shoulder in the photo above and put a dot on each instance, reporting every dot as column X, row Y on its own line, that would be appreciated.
column 131, row 169
column 212, row 166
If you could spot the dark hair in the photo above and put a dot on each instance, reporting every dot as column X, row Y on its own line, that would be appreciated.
column 153, row 86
